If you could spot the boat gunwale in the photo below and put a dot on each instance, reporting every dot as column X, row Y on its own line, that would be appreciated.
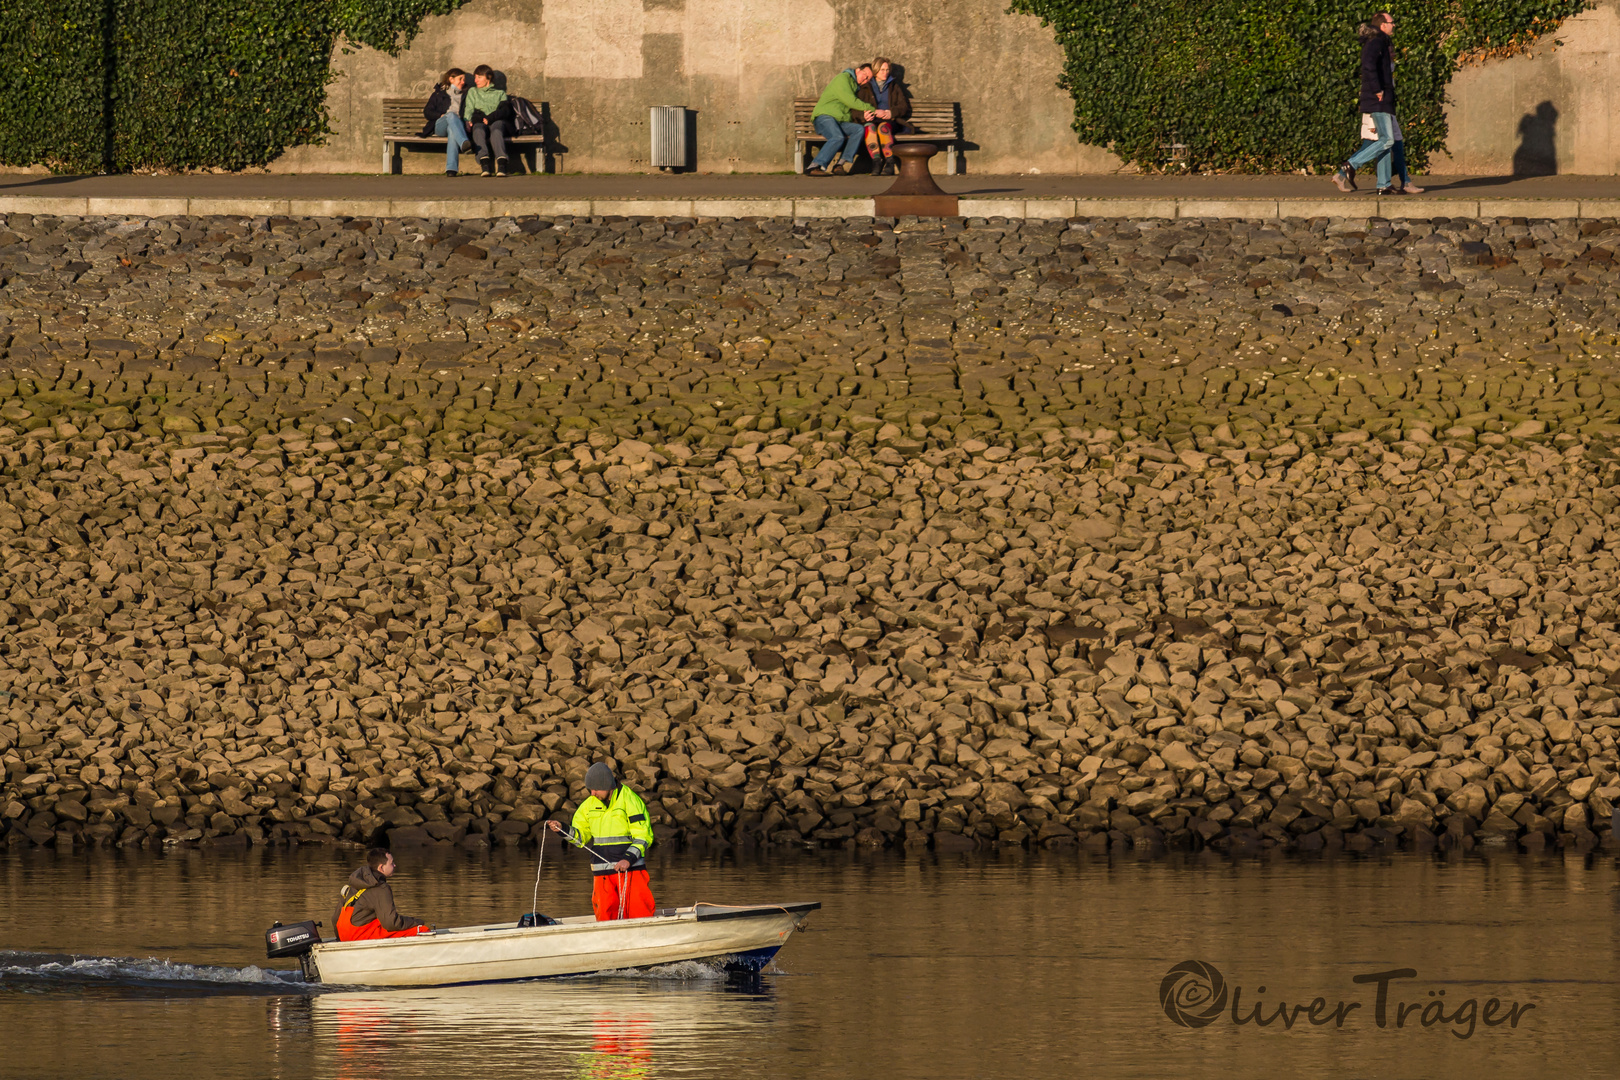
column 753, row 911
column 501, row 931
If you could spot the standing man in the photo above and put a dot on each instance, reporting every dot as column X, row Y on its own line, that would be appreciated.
column 366, row 909
column 831, row 119
column 1377, row 99
column 612, row 827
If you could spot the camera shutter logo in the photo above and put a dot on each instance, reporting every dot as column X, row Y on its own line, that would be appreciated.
column 1193, row 993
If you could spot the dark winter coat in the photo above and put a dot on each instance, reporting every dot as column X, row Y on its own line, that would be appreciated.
column 899, row 103
column 1377, row 74
column 436, row 106
column 377, row 902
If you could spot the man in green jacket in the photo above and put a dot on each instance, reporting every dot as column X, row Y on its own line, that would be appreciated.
column 832, row 120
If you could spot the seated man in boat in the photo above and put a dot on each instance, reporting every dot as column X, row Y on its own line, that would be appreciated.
column 367, row 910
column 613, row 828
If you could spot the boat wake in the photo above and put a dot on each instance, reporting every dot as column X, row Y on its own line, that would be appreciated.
column 22, row 972
column 685, row 971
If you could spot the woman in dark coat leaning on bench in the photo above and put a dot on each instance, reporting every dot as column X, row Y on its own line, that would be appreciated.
column 885, row 94
column 443, row 112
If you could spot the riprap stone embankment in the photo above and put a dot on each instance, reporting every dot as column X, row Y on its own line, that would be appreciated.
column 1045, row 533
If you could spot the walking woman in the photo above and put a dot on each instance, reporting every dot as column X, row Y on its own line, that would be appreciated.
column 443, row 112
column 891, row 108
column 1377, row 99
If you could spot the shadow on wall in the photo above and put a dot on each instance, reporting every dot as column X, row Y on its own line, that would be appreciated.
column 1537, row 154
column 555, row 146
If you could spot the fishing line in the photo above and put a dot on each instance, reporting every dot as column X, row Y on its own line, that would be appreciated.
column 534, row 903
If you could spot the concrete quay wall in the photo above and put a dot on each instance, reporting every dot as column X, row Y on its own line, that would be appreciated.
column 601, row 63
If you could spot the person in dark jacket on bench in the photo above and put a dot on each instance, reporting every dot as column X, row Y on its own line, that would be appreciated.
column 367, row 908
column 443, row 112
column 489, row 118
column 890, row 109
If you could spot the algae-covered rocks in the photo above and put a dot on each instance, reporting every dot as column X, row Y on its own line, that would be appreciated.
column 1049, row 541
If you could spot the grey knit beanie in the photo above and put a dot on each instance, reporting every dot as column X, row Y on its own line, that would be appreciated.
column 600, row 778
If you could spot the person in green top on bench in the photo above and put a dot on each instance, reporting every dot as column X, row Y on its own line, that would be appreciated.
column 489, row 119
column 832, row 119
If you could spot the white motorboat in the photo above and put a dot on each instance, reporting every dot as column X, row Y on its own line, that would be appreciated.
column 740, row 939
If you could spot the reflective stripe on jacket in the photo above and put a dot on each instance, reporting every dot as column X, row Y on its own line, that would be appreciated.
column 617, row 829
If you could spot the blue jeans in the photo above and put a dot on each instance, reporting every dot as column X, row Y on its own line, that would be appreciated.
column 450, row 124
column 1391, row 164
column 1378, row 148
column 844, row 135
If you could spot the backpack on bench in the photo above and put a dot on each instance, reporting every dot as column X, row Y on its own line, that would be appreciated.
column 526, row 119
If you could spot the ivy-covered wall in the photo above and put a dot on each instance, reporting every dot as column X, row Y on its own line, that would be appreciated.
column 1267, row 85
column 116, row 85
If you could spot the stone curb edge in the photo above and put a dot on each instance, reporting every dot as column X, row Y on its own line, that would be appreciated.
column 1041, row 208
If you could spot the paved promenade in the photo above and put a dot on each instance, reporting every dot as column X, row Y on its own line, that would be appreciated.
column 796, row 196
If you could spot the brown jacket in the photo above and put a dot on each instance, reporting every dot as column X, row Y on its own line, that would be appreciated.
column 377, row 902
column 899, row 103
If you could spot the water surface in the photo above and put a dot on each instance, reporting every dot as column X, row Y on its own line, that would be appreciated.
column 146, row 965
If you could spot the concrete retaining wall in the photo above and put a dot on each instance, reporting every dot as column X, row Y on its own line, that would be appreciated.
column 1546, row 113
column 739, row 63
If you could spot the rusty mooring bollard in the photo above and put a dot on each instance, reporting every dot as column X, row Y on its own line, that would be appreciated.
column 914, row 190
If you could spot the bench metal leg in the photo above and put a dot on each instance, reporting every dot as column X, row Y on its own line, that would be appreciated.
column 798, row 156
column 388, row 158
column 950, row 160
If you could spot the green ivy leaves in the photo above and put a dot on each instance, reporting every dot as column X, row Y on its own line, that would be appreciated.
column 116, row 85
column 388, row 25
column 1265, row 85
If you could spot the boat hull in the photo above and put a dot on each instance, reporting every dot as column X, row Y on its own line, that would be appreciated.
column 741, row 938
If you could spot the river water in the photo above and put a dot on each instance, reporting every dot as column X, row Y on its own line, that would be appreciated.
column 142, row 965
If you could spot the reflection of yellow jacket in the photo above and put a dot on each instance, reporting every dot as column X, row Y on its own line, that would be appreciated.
column 617, row 829
column 615, row 1065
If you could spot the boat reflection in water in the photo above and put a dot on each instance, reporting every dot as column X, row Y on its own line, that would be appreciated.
column 681, row 1020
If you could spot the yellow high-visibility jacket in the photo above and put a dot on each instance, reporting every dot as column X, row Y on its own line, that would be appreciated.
column 617, row 829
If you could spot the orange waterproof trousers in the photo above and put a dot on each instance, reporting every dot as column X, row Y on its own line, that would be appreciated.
column 347, row 931
column 638, row 897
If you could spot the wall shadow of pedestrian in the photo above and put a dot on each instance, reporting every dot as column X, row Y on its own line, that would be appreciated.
column 1537, row 154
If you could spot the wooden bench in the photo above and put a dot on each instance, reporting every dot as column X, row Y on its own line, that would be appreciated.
column 930, row 121
column 403, row 121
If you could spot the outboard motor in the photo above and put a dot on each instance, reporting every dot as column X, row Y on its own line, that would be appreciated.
column 281, row 942
column 295, row 940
